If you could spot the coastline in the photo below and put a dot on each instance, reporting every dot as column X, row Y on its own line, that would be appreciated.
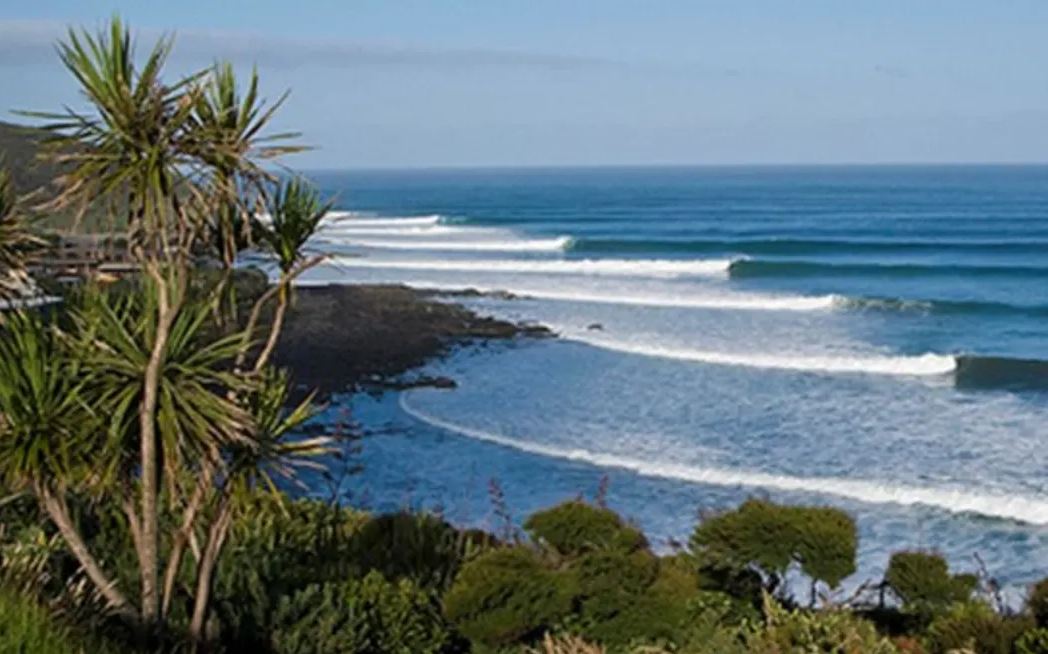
column 341, row 338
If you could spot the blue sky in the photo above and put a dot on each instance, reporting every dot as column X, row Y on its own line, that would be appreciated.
column 391, row 83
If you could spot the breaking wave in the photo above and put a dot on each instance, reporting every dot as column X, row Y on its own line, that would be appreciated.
column 1009, row 507
column 659, row 268
column 915, row 366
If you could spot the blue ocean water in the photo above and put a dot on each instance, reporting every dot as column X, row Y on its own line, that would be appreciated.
column 874, row 338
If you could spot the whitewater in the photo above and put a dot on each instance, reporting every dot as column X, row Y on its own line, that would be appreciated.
column 868, row 338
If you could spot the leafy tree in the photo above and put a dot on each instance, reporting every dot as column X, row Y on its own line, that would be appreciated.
column 922, row 581
column 766, row 537
column 574, row 528
column 507, row 595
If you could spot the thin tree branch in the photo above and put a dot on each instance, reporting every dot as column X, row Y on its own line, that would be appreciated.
column 56, row 508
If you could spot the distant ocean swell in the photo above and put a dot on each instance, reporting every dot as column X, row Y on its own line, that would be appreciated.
column 1020, row 508
column 671, row 269
column 813, row 246
column 745, row 268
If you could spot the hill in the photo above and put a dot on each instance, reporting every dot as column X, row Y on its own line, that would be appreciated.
column 18, row 149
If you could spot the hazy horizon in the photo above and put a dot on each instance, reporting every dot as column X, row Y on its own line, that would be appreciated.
column 464, row 84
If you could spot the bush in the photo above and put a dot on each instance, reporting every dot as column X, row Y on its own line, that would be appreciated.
column 975, row 626
column 1038, row 602
column 371, row 616
column 506, row 595
column 1034, row 641
column 574, row 528
column 922, row 581
column 27, row 628
column 420, row 547
column 763, row 535
column 275, row 550
column 840, row 632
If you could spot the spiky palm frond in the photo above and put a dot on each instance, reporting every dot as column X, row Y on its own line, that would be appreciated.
column 129, row 150
column 295, row 213
column 278, row 450
column 195, row 414
column 227, row 134
column 48, row 431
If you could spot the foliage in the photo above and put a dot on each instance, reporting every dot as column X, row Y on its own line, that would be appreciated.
column 769, row 537
column 276, row 548
column 507, row 595
column 16, row 241
column 1034, row 641
column 295, row 213
column 974, row 626
column 1038, row 602
column 420, row 547
column 46, row 426
column 574, row 528
column 371, row 616
column 923, row 583
column 564, row 645
column 27, row 628
column 802, row 631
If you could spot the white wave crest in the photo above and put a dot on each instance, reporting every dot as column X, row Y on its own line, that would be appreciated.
column 915, row 366
column 997, row 505
column 349, row 219
column 660, row 268
column 348, row 231
column 557, row 244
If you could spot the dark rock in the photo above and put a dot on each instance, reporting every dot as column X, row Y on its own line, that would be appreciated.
column 339, row 337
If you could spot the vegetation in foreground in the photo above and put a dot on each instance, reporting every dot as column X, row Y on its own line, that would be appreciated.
column 145, row 434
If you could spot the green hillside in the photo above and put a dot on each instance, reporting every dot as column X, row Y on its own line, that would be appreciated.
column 19, row 146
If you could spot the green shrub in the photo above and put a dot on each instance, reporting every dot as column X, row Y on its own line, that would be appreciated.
column 276, row 549
column 1037, row 603
column 769, row 537
column 839, row 632
column 975, row 626
column 370, row 616
column 1034, row 641
column 922, row 581
column 612, row 589
column 575, row 527
column 506, row 595
column 27, row 628
column 420, row 547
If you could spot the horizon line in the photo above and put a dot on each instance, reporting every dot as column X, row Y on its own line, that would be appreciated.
column 622, row 166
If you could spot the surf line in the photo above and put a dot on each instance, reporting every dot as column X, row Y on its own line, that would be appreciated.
column 1008, row 507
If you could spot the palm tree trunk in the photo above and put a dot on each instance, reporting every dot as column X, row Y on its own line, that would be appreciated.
column 56, row 508
column 182, row 537
column 149, row 563
column 275, row 328
column 206, row 569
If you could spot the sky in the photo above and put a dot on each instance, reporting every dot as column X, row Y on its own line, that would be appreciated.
column 397, row 83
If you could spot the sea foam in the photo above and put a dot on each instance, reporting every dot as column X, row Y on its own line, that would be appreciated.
column 557, row 244
column 921, row 365
column 997, row 505
column 660, row 268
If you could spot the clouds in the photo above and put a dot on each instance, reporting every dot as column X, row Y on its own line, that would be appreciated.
column 32, row 42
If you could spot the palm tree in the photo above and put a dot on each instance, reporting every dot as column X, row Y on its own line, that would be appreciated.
column 170, row 157
column 49, row 433
column 275, row 454
column 295, row 213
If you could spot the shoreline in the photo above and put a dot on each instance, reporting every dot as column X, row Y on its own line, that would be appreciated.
column 344, row 338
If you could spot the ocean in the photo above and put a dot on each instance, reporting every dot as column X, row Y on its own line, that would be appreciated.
column 872, row 338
